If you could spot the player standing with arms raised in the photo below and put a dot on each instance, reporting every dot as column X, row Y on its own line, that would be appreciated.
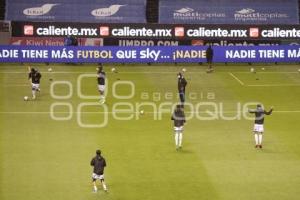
column 179, row 119
column 101, row 76
column 34, row 76
column 99, row 163
column 259, row 123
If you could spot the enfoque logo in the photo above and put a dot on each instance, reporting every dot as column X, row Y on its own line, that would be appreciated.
column 37, row 11
column 130, row 106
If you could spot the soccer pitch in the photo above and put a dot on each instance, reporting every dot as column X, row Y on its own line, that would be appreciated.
column 46, row 144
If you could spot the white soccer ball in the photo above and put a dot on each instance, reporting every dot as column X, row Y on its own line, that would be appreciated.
column 26, row 98
column 49, row 69
column 142, row 112
column 263, row 68
column 113, row 69
column 252, row 69
column 184, row 69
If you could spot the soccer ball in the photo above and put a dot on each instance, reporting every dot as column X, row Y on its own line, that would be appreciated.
column 113, row 69
column 142, row 112
column 26, row 98
column 252, row 70
column 49, row 69
column 263, row 68
column 183, row 69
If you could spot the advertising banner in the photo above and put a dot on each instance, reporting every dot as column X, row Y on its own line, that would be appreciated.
column 53, row 41
column 163, row 54
column 109, row 11
column 156, row 31
column 229, row 12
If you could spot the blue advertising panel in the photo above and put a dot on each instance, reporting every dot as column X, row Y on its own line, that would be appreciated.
column 166, row 54
column 229, row 12
column 110, row 11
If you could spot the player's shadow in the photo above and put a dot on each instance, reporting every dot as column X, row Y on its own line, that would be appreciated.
column 184, row 151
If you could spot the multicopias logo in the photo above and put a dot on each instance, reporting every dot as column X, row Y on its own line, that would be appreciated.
column 187, row 13
column 37, row 11
column 249, row 14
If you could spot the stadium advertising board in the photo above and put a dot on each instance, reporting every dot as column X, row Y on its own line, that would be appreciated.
column 229, row 12
column 112, row 11
column 53, row 41
column 156, row 31
column 164, row 54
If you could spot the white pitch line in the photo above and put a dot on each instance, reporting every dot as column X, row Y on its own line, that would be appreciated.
column 145, row 72
column 47, row 112
column 65, row 72
column 236, row 78
column 17, row 85
column 274, row 85
column 268, row 72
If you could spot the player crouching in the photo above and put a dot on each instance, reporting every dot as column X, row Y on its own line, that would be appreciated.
column 35, row 77
column 101, row 83
column 179, row 120
column 259, row 124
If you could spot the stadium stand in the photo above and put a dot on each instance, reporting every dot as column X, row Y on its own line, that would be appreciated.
column 152, row 11
column 2, row 9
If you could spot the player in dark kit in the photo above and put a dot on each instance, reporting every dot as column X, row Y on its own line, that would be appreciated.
column 34, row 76
column 259, row 124
column 98, row 162
column 101, row 83
column 181, row 88
column 209, row 58
column 179, row 119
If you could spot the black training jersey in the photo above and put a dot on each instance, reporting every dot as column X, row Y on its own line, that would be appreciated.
column 181, row 85
column 209, row 53
column 260, row 115
column 178, row 117
column 101, row 78
column 99, row 163
column 35, row 77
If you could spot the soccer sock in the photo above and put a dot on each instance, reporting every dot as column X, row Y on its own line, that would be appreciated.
column 260, row 139
column 104, row 186
column 176, row 138
column 180, row 139
column 95, row 187
column 33, row 93
column 256, row 138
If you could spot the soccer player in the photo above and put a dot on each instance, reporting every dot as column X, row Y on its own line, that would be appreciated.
column 209, row 58
column 259, row 124
column 179, row 119
column 99, row 163
column 181, row 88
column 35, row 77
column 101, row 83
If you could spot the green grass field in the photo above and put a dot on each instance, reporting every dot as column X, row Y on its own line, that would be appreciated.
column 45, row 159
